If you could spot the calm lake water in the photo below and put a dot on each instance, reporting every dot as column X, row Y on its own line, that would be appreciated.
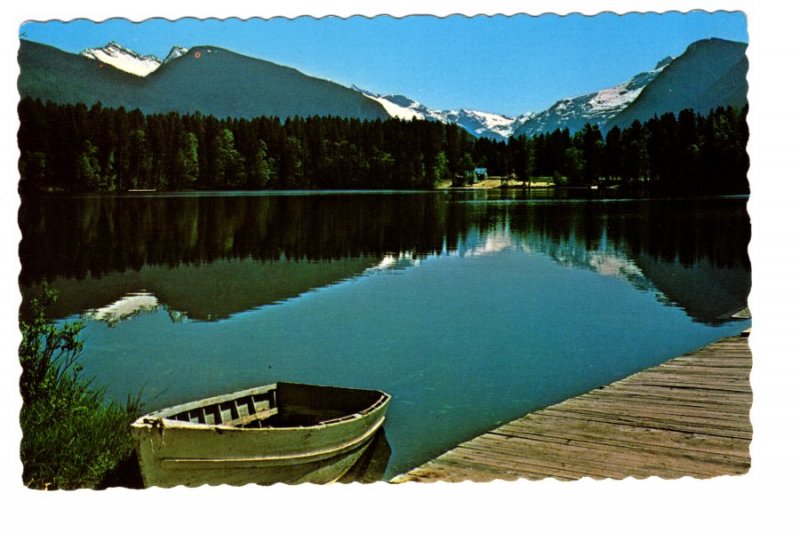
column 470, row 308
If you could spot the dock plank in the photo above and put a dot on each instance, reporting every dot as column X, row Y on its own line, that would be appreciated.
column 669, row 445
column 689, row 416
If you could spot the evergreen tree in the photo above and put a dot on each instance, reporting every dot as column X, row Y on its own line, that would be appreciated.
column 88, row 169
column 589, row 141
column 440, row 170
column 612, row 161
column 187, row 168
column 263, row 168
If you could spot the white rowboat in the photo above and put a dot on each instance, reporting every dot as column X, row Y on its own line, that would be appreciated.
column 279, row 433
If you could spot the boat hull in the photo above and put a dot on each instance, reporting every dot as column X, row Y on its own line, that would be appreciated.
column 176, row 452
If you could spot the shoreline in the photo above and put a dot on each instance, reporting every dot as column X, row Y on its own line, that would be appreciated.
column 496, row 183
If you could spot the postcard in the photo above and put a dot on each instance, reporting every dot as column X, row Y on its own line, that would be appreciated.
column 383, row 253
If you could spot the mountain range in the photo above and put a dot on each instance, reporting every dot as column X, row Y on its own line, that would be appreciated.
column 709, row 74
column 219, row 82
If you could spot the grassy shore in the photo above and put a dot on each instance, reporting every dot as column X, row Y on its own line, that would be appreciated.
column 71, row 436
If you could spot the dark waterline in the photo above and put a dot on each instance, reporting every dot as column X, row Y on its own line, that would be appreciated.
column 469, row 308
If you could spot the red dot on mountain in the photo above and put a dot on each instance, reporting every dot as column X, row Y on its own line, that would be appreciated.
column 197, row 54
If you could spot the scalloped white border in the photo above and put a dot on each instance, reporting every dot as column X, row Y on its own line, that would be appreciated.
column 761, row 500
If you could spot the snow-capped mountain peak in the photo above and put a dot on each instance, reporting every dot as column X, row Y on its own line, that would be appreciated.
column 123, row 59
column 481, row 123
column 401, row 107
column 593, row 108
column 478, row 123
column 174, row 53
column 664, row 62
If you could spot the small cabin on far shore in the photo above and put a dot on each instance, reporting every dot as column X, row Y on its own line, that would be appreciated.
column 470, row 177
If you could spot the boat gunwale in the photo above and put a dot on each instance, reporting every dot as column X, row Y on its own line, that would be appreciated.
column 315, row 455
column 160, row 418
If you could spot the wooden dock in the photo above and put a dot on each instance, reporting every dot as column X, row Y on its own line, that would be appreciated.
column 689, row 416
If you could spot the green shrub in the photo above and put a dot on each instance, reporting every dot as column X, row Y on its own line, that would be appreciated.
column 71, row 436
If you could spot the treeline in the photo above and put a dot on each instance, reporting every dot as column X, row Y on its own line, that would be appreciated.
column 74, row 148
column 690, row 153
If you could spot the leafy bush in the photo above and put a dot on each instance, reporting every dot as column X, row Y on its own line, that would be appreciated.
column 71, row 437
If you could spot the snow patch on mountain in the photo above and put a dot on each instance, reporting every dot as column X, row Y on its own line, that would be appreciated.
column 123, row 59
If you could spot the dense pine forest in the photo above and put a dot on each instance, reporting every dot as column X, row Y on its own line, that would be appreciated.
column 72, row 148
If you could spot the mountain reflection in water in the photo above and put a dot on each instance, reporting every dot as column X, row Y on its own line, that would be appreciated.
column 210, row 257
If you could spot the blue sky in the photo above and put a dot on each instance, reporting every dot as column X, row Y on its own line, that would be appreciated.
column 500, row 64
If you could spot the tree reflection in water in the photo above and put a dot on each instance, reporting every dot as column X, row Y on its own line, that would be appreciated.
column 209, row 256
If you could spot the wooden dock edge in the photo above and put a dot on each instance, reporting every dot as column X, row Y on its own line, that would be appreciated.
column 689, row 416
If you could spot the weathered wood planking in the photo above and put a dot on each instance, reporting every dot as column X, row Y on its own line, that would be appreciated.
column 687, row 417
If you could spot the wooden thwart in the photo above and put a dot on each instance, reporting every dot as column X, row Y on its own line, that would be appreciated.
column 686, row 417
